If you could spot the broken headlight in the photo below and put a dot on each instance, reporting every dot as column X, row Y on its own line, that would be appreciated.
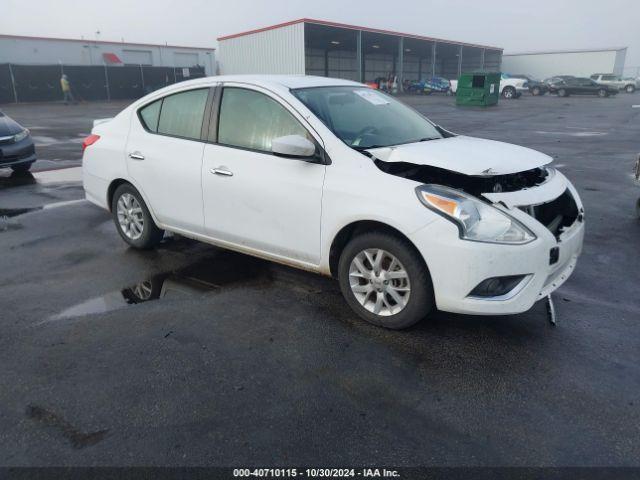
column 475, row 219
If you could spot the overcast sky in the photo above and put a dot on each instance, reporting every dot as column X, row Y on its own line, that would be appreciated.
column 515, row 26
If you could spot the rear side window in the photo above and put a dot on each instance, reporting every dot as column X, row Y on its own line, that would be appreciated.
column 250, row 119
column 150, row 114
column 182, row 113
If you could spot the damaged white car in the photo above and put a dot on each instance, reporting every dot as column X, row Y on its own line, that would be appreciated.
column 333, row 177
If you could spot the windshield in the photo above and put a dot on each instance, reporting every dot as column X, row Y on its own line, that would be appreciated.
column 365, row 118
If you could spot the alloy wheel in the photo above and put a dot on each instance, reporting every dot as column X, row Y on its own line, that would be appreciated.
column 130, row 216
column 379, row 282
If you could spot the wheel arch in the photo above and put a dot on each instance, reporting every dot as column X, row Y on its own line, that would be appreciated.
column 113, row 186
column 112, row 189
column 354, row 228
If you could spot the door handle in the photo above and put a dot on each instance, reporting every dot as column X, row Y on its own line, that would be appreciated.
column 221, row 171
column 136, row 156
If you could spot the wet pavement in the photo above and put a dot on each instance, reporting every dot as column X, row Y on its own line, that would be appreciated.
column 191, row 355
column 58, row 129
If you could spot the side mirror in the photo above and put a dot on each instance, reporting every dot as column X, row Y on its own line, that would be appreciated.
column 295, row 146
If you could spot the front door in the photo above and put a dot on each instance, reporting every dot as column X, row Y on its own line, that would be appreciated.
column 164, row 153
column 253, row 198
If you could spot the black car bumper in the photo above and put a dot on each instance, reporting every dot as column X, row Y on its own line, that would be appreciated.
column 17, row 153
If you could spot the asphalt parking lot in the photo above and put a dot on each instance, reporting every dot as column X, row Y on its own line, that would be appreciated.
column 243, row 362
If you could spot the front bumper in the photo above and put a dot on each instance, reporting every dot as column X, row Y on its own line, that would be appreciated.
column 457, row 266
column 17, row 153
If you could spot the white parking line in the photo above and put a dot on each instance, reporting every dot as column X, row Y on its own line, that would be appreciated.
column 635, row 106
column 63, row 204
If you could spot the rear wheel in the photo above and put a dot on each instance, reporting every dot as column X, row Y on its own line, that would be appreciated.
column 630, row 88
column 509, row 92
column 385, row 280
column 535, row 91
column 133, row 220
column 602, row 93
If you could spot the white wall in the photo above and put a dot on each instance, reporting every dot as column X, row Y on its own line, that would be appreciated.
column 41, row 51
column 580, row 64
column 277, row 51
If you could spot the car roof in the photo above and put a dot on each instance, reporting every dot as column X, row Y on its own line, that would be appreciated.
column 287, row 81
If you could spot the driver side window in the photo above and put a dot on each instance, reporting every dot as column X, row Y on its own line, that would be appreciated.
column 250, row 119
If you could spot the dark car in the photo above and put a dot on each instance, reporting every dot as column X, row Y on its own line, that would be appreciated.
column 17, row 150
column 536, row 87
column 581, row 86
column 552, row 81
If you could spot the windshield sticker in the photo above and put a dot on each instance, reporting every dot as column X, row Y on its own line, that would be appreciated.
column 372, row 97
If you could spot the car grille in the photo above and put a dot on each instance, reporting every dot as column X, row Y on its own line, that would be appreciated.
column 557, row 214
column 6, row 140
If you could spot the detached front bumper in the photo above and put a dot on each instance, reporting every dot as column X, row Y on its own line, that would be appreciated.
column 458, row 266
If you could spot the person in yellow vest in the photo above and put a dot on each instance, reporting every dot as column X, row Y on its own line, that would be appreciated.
column 66, row 90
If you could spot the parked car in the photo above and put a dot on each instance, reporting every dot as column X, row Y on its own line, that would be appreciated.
column 331, row 176
column 17, row 150
column 552, row 81
column 628, row 85
column 510, row 88
column 535, row 87
column 581, row 86
column 430, row 85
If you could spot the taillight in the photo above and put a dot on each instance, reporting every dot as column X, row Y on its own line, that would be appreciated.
column 90, row 140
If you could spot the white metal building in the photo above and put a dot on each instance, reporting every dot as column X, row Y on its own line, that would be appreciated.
column 318, row 47
column 581, row 63
column 21, row 50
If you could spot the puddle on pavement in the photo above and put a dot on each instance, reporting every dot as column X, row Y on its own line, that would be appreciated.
column 201, row 278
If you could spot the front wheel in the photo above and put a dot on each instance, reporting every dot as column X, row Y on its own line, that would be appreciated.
column 133, row 220
column 562, row 93
column 535, row 91
column 509, row 92
column 22, row 167
column 630, row 89
column 602, row 93
column 385, row 280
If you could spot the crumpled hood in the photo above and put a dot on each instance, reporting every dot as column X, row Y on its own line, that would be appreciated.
column 9, row 126
column 466, row 155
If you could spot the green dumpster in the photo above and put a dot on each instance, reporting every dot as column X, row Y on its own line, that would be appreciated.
column 478, row 89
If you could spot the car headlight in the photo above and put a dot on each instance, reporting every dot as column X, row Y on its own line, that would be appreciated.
column 18, row 137
column 475, row 219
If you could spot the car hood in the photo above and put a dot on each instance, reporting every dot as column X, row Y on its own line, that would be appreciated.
column 9, row 127
column 466, row 155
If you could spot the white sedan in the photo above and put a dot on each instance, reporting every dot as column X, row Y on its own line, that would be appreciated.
column 330, row 176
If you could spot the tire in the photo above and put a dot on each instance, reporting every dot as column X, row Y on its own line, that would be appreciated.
column 22, row 168
column 602, row 93
column 509, row 93
column 419, row 298
column 562, row 93
column 630, row 88
column 535, row 91
column 143, row 233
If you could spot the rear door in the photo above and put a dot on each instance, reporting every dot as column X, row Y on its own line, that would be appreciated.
column 253, row 198
column 164, row 156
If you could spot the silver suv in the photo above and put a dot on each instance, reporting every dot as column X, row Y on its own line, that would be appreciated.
column 629, row 85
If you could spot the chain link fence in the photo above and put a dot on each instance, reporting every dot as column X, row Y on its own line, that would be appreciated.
column 41, row 83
